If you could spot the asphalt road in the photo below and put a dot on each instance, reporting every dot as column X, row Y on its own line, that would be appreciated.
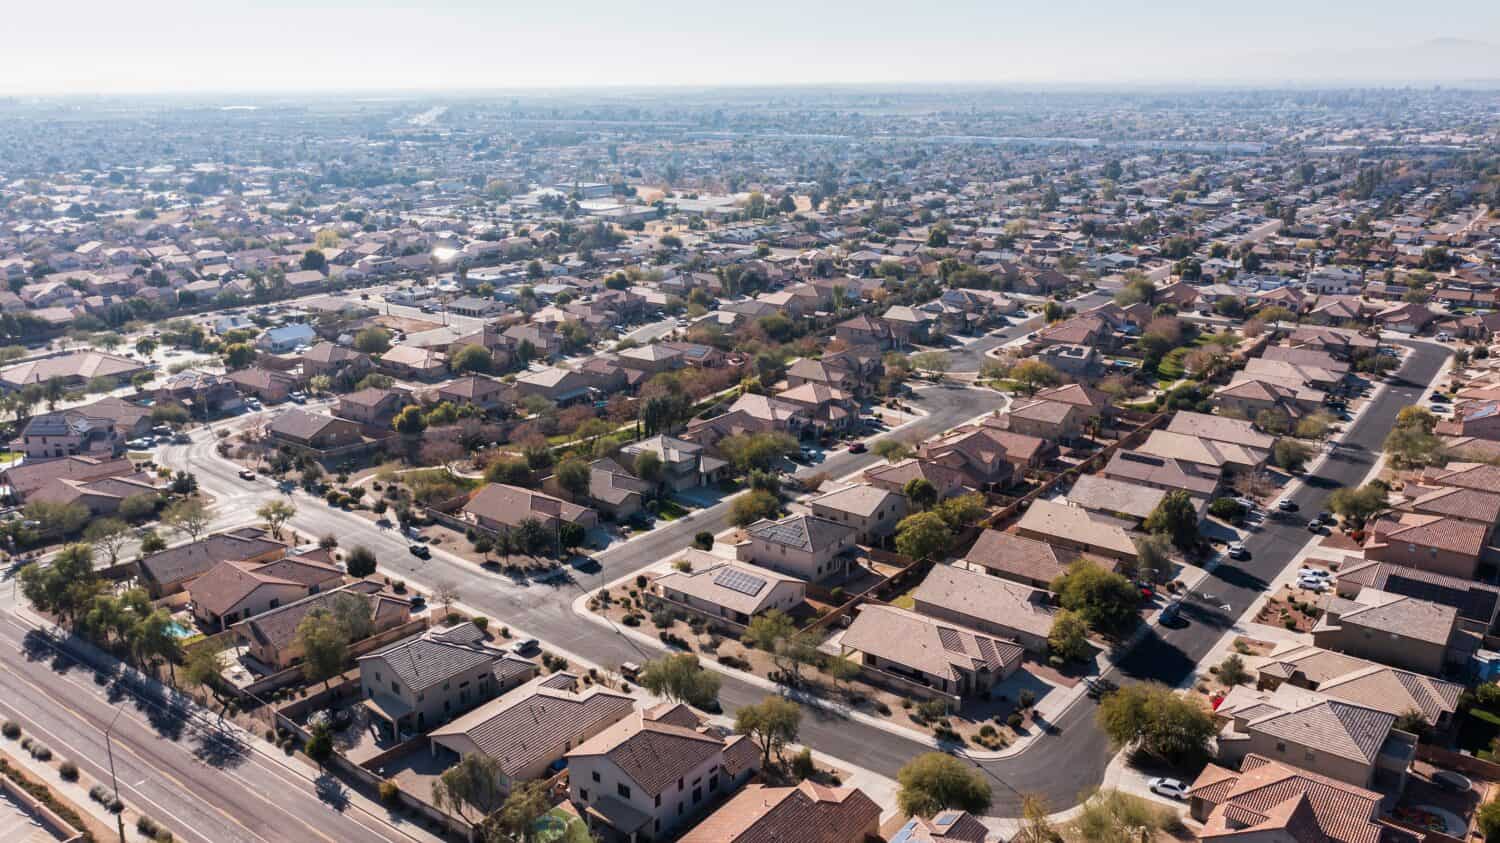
column 201, row 787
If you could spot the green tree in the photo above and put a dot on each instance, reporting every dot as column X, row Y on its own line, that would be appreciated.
column 373, row 341
column 936, row 362
column 324, row 644
column 471, row 358
column 891, row 450
column 518, row 816
column 1165, row 725
column 747, row 451
column 1106, row 600
column 314, row 259
column 923, row 536
column 1069, row 637
column 66, row 587
column 682, row 679
column 1488, row 819
column 319, row 745
column 1290, row 454
column 276, row 513
column 1232, row 670
column 1358, row 505
column 920, row 493
column 189, row 516
column 409, row 421
column 773, row 723
column 361, row 562
column 1033, row 375
column 962, row 511
column 935, row 781
column 1153, row 553
column 573, row 476
column 237, row 355
column 108, row 535
column 648, row 466
column 1274, row 422
column 752, row 506
column 474, row 782
column 154, row 641
column 203, row 668
column 1175, row 516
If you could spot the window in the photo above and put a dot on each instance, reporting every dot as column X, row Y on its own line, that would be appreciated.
column 395, row 688
column 1308, row 755
column 713, row 783
column 1280, row 746
column 596, row 775
column 679, row 785
column 583, row 794
column 658, row 800
column 697, row 795
column 623, row 790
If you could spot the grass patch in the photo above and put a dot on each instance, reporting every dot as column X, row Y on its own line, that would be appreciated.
column 670, row 510
column 905, row 601
column 1477, row 729
column 559, row 826
column 1171, row 367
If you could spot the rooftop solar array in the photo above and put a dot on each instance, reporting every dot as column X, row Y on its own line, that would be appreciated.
column 741, row 581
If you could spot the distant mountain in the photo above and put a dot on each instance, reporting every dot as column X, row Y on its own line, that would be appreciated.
column 1440, row 60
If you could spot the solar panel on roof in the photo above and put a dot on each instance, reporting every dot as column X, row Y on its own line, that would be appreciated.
column 741, row 581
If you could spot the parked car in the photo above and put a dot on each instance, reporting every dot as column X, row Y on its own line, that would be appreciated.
column 247, row 474
column 1312, row 583
column 1314, row 573
column 1287, row 505
column 526, row 645
column 1315, row 526
column 1238, row 551
column 1099, row 687
column 1171, row 616
column 1171, row 788
column 421, row 551
column 858, row 448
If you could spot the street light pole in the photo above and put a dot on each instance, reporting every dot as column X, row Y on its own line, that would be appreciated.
column 114, row 782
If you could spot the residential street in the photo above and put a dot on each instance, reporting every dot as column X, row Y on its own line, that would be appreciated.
column 205, row 787
column 971, row 357
column 544, row 610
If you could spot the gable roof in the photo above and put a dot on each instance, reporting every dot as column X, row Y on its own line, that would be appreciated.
column 808, row 813
column 1266, row 795
column 807, row 533
column 937, row 648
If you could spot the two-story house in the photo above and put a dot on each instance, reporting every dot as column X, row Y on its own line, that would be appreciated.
column 431, row 678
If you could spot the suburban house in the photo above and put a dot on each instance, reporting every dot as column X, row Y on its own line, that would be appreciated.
column 871, row 511
column 529, row 729
column 893, row 478
column 407, row 361
column 951, row 660
column 70, row 433
column 434, row 676
column 203, row 394
column 828, row 409
column 1437, row 543
column 614, row 490
column 1477, row 603
column 475, row 391
column 1341, row 740
column 987, row 604
column 169, row 571
column 733, row 591
column 809, row 812
column 655, row 771
column 1119, row 499
column 1399, row 631
column 1043, row 418
column 57, row 477
column 1271, row 800
column 1221, row 429
column 500, row 507
column 1077, row 528
column 329, row 360
column 864, row 330
column 286, row 338
column 976, row 454
column 269, row 385
column 1340, row 676
column 372, row 407
column 1165, row 473
column 804, row 546
column 1209, row 457
column 1019, row 559
column 73, row 370
column 271, row 636
column 684, row 464
column 314, row 432
column 234, row 591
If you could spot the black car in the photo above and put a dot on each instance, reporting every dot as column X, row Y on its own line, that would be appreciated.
column 421, row 551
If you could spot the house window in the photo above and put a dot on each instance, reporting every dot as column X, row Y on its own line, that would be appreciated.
column 1280, row 746
column 658, row 800
column 395, row 687
column 1308, row 755
column 623, row 790
column 713, row 783
column 596, row 775
column 583, row 794
column 679, row 785
column 697, row 795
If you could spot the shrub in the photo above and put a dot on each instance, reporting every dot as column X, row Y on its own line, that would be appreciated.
column 163, row 836
column 1014, row 720
column 68, row 770
column 146, row 826
column 640, row 582
column 41, row 752
column 703, row 540
column 11, row 729
column 390, row 792
column 802, row 764
column 482, row 622
column 1027, row 698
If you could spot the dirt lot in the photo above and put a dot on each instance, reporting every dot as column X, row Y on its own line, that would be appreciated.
column 1291, row 608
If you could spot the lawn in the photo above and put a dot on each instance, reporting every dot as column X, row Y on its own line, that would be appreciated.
column 1477, row 728
column 670, row 510
column 559, row 826
column 905, row 601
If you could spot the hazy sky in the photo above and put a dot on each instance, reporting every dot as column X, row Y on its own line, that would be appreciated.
column 282, row 45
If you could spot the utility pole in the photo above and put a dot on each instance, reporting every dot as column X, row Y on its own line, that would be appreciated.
column 114, row 782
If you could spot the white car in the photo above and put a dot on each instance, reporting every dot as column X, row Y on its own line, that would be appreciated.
column 1312, row 583
column 1171, row 788
column 1238, row 551
column 1313, row 573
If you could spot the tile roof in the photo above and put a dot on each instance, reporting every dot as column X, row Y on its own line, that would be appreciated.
column 654, row 753
column 807, row 813
column 437, row 655
column 803, row 532
column 935, row 647
column 1266, row 795
column 535, row 722
column 978, row 595
column 1076, row 524
column 945, row 827
column 194, row 558
column 1021, row 557
column 1344, row 729
column 737, row 586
